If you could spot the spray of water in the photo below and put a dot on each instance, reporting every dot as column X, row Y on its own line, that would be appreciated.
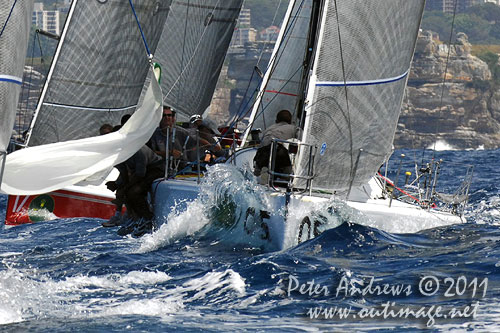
column 29, row 295
column 229, row 209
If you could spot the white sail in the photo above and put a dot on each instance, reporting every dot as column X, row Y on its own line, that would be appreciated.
column 97, row 76
column 192, row 49
column 15, row 22
column 53, row 166
column 99, row 68
column 363, row 57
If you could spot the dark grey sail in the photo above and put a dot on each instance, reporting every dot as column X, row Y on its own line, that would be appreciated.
column 15, row 22
column 192, row 49
column 282, row 85
column 360, row 71
column 99, row 68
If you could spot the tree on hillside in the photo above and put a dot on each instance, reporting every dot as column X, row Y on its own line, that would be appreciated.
column 477, row 24
column 476, row 28
column 488, row 11
column 492, row 60
column 438, row 22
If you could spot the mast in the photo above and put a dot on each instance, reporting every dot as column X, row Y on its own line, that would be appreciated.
column 310, row 52
column 315, row 42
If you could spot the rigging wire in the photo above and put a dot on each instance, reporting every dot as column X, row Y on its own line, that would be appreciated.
column 272, row 24
column 8, row 17
column 345, row 90
column 30, row 80
column 261, row 54
column 445, row 72
column 184, row 44
column 150, row 56
column 274, row 60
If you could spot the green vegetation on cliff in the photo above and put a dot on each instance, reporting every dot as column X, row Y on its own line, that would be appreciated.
column 492, row 60
column 480, row 23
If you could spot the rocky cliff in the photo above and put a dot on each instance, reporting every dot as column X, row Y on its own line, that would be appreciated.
column 464, row 112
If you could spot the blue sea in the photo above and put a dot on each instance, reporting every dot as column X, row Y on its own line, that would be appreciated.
column 192, row 275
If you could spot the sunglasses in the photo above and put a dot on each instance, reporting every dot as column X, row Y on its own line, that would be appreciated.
column 168, row 115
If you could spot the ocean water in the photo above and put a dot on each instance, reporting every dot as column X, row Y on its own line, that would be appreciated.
column 194, row 275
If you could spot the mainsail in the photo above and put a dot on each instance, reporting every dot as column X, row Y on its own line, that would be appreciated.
column 341, row 68
column 192, row 50
column 99, row 68
column 363, row 57
column 15, row 21
column 97, row 76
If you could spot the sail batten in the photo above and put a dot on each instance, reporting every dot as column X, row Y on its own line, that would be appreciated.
column 361, row 83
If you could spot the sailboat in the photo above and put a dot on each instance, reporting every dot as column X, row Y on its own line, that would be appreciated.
column 190, row 44
column 341, row 68
column 97, row 76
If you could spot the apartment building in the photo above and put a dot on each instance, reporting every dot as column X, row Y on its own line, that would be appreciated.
column 47, row 20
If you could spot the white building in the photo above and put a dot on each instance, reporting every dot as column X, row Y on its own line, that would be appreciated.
column 269, row 34
column 244, row 20
column 47, row 20
column 243, row 35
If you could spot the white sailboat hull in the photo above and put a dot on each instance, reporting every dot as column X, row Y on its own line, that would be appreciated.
column 281, row 226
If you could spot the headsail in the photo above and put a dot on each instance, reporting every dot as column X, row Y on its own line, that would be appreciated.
column 53, row 166
column 360, row 71
column 282, row 85
column 192, row 50
column 15, row 22
column 97, row 75
column 99, row 68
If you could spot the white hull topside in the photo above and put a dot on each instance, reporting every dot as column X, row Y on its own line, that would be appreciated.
column 173, row 198
column 282, row 226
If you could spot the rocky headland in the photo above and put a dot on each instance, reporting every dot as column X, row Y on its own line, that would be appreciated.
column 464, row 111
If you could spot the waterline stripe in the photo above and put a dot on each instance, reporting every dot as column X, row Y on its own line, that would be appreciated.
column 361, row 83
column 10, row 78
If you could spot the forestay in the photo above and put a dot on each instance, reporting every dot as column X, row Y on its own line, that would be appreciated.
column 360, row 71
column 99, row 68
column 15, row 21
column 192, row 49
column 282, row 85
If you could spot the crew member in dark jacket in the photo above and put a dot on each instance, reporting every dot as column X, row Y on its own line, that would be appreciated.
column 283, row 129
column 132, row 186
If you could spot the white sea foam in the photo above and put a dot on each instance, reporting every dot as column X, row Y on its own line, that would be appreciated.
column 180, row 224
column 441, row 145
column 25, row 295
column 216, row 284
